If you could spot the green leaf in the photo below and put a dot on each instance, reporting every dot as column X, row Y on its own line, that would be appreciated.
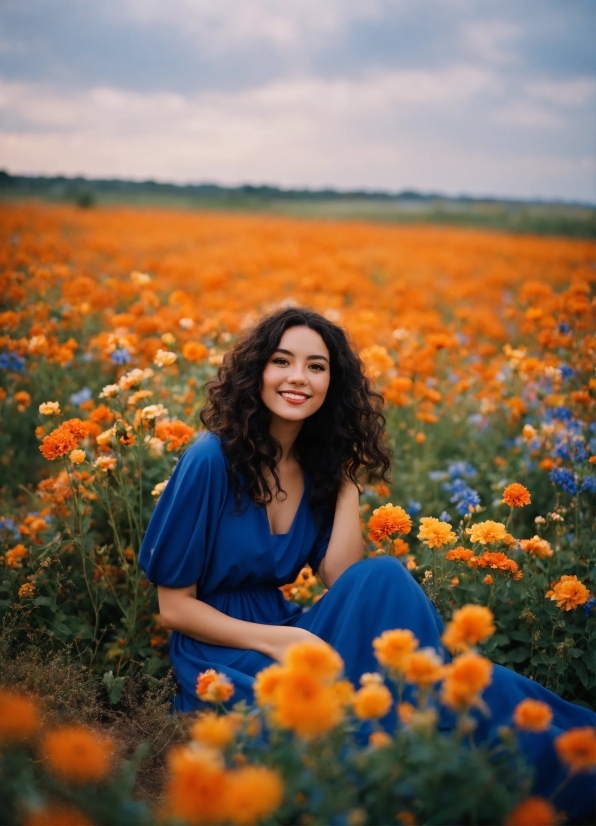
column 115, row 686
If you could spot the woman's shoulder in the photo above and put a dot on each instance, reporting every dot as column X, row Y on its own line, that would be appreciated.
column 206, row 451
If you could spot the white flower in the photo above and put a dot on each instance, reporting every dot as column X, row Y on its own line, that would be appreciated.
column 186, row 323
column 154, row 411
column 163, row 358
column 109, row 391
column 140, row 278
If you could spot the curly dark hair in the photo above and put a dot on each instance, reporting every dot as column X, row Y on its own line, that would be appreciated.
column 343, row 438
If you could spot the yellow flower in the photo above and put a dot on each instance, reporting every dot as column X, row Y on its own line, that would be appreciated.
column 49, row 408
column 568, row 593
column 163, row 358
column 387, row 520
column 487, row 533
column 77, row 456
column 516, row 495
column 532, row 715
column 27, row 590
column 435, row 533
column 469, row 626
column 393, row 648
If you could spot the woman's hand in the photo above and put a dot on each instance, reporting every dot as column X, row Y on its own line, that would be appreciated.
column 276, row 639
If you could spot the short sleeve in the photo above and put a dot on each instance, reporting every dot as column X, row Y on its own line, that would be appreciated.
column 320, row 547
column 182, row 529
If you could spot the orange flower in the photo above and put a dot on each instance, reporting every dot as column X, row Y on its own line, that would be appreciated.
column 536, row 547
column 49, row 408
column 214, row 687
column 58, row 443
column 435, row 533
column 197, row 787
column 516, row 495
column 487, row 533
column 55, row 814
column 266, row 684
column 77, row 456
column 23, row 400
column 577, row 748
column 14, row 556
column 424, row 667
column 387, row 520
column 213, row 730
column 194, row 351
column 27, row 590
column 400, row 547
column 77, row 754
column 393, row 648
column 495, row 561
column 379, row 739
column 76, row 427
column 532, row 715
column 253, row 793
column 318, row 658
column 459, row 554
column 467, row 676
column 19, row 717
column 533, row 811
column 469, row 626
column 568, row 593
column 175, row 432
column 372, row 701
column 305, row 705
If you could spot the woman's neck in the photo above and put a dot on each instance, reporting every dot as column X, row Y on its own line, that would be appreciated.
column 286, row 434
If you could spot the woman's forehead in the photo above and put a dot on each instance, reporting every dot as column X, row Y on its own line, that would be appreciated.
column 303, row 341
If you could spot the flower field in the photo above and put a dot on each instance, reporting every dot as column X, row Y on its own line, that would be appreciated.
column 484, row 347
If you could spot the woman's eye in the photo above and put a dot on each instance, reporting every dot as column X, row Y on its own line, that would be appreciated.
column 318, row 367
column 280, row 360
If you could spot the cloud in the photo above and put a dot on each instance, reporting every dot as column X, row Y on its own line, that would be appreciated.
column 576, row 92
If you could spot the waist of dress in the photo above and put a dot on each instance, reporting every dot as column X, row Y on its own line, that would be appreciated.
column 258, row 603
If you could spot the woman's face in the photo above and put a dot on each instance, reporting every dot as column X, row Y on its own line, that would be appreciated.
column 296, row 376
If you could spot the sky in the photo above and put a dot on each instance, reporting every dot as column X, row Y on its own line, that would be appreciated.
column 477, row 97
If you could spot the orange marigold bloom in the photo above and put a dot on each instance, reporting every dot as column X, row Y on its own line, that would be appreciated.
column 487, row 533
column 516, row 495
column 387, row 520
column 469, row 625
column 318, row 658
column 435, row 533
column 14, row 556
column 267, row 682
column 400, row 547
column 77, row 456
column 175, row 432
column 393, row 648
column 77, row 754
column 568, row 593
column 533, row 811
column 305, row 705
column 76, row 427
column 372, row 701
column 536, row 547
column 495, row 561
column 214, row 687
column 55, row 814
column 58, row 443
column 379, row 739
column 23, row 400
column 532, row 715
column 27, row 590
column 194, row 351
column 19, row 717
column 467, row 676
column 424, row 667
column 197, row 787
column 459, row 554
column 253, row 793
column 213, row 730
column 577, row 748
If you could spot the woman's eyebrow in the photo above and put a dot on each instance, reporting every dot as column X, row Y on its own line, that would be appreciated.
column 308, row 358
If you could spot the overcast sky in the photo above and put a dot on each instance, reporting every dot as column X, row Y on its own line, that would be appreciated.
column 459, row 96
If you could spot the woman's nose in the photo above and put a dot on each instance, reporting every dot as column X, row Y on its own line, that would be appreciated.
column 298, row 375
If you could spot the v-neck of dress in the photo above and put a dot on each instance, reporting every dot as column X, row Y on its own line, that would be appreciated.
column 298, row 509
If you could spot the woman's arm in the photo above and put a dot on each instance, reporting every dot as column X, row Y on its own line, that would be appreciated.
column 346, row 545
column 181, row 611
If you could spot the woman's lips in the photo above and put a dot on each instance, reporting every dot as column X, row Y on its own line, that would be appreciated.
column 294, row 398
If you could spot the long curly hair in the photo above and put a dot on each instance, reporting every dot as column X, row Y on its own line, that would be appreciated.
column 344, row 438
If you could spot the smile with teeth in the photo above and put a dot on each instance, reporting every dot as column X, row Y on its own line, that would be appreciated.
column 294, row 397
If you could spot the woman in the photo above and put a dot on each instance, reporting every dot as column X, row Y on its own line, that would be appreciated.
column 293, row 422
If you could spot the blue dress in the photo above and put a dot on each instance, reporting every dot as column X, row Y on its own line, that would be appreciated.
column 196, row 535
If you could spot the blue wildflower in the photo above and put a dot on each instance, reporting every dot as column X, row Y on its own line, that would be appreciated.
column 445, row 517
column 589, row 606
column 121, row 356
column 567, row 372
column 564, row 328
column 562, row 414
column 8, row 524
column 413, row 508
column 589, row 484
column 80, row 397
column 565, row 479
column 12, row 361
column 461, row 469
